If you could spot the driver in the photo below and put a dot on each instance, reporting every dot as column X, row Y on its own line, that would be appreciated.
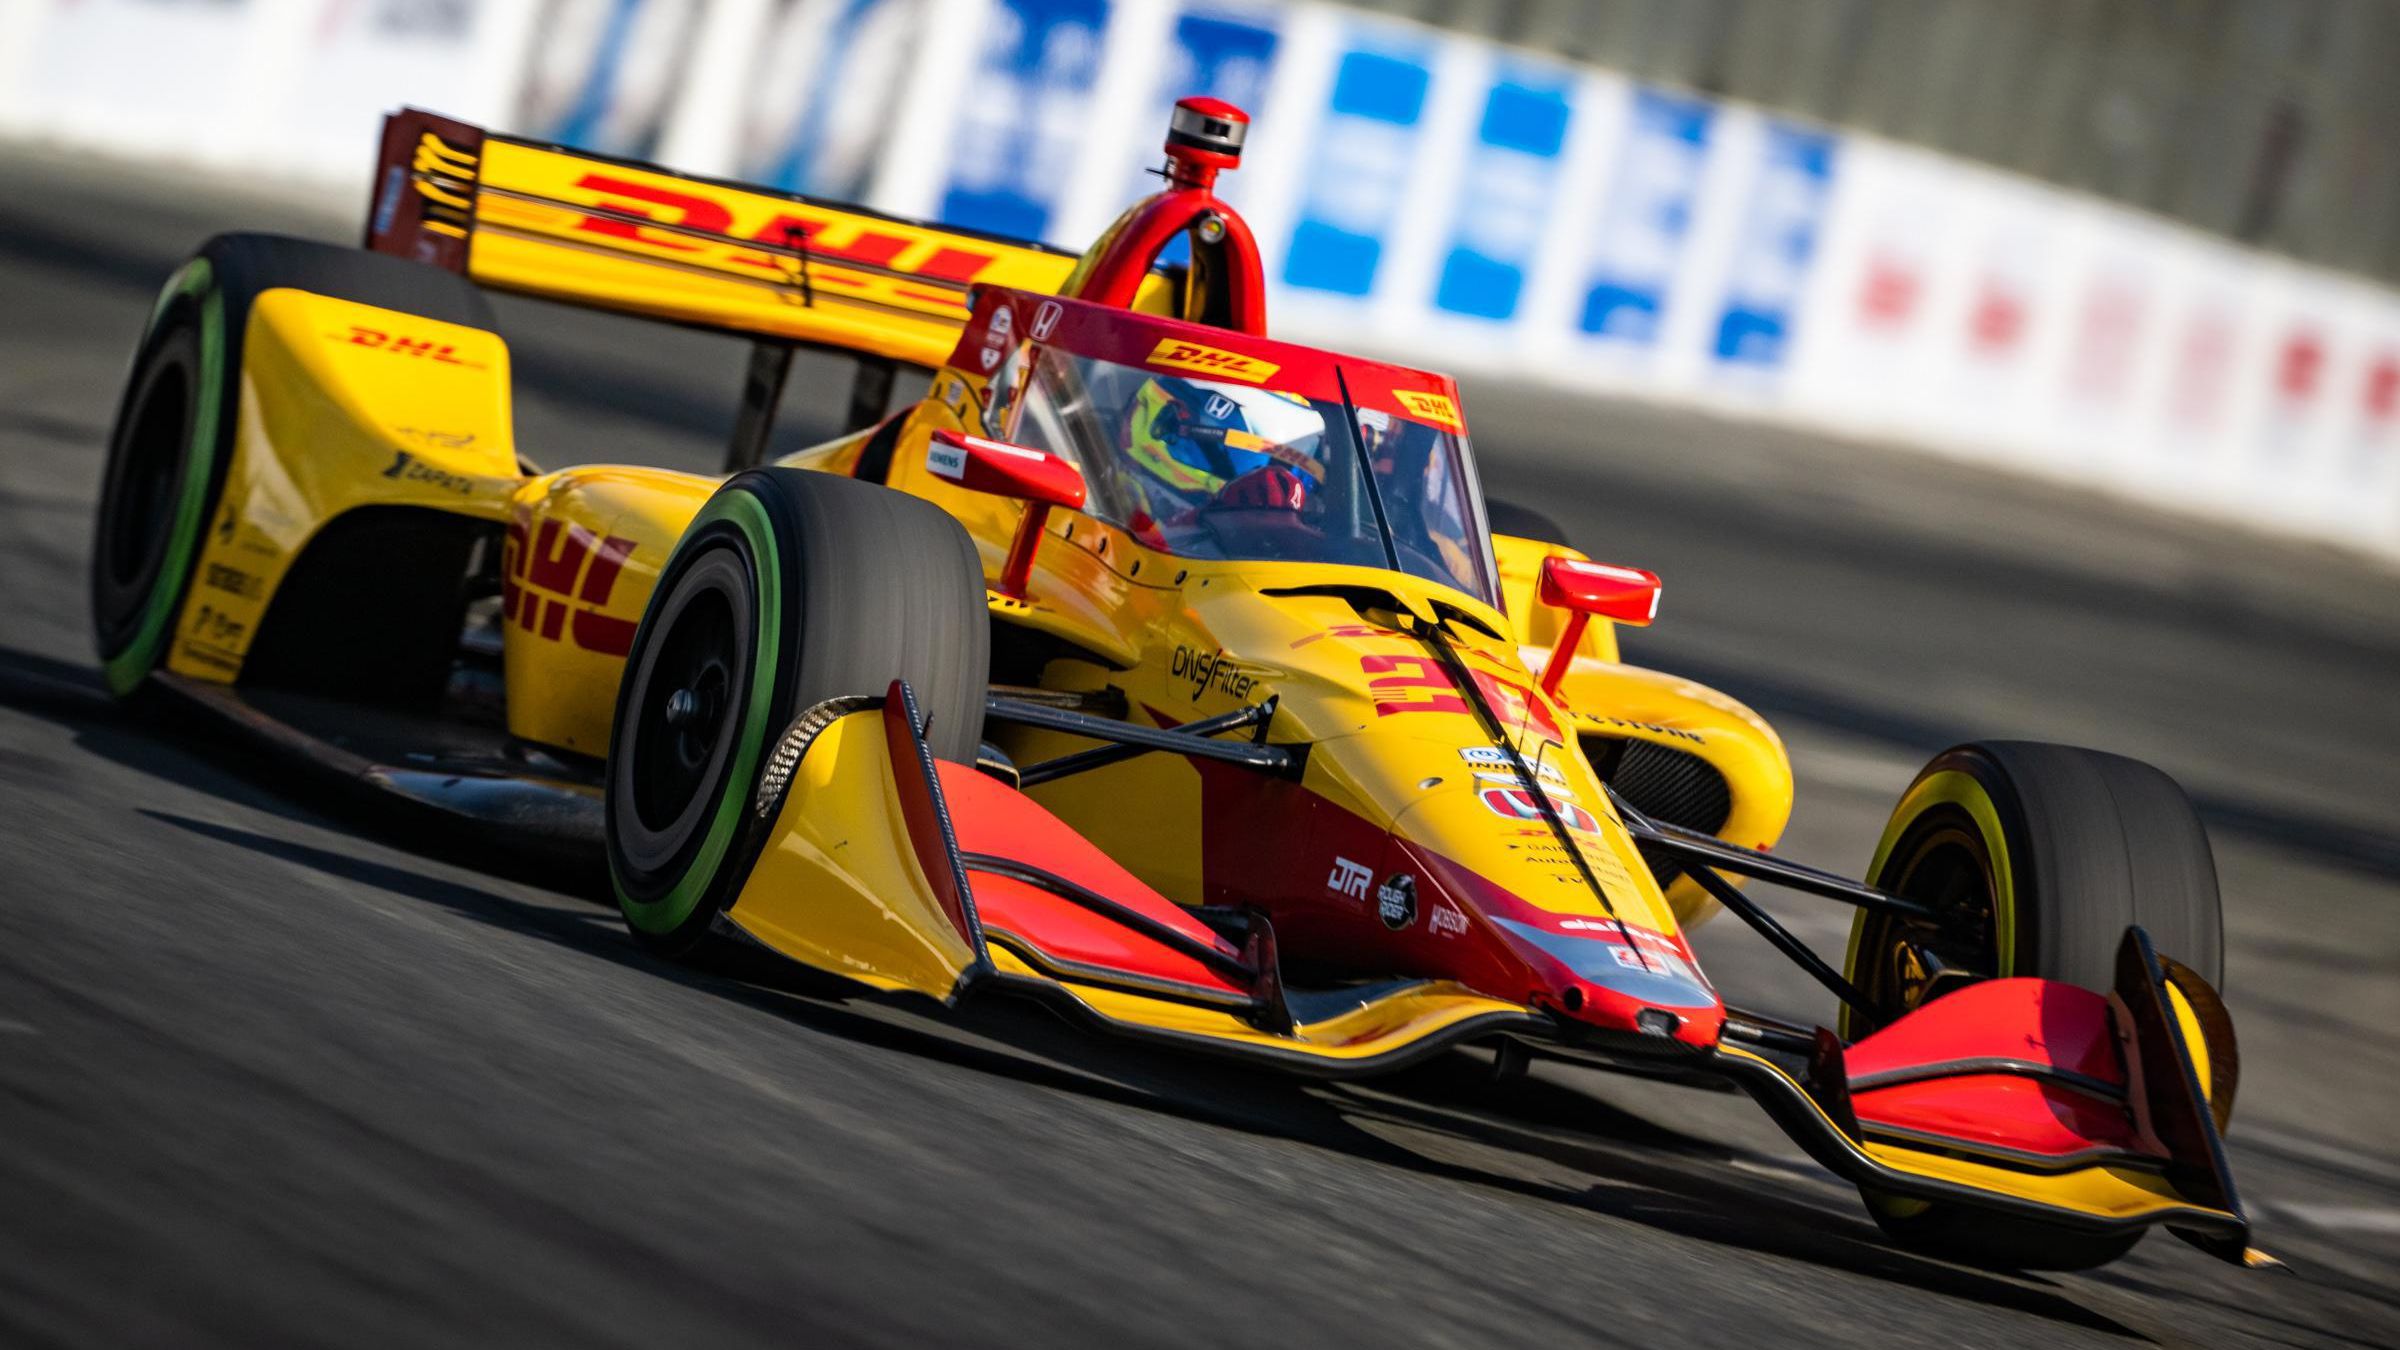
column 1199, row 443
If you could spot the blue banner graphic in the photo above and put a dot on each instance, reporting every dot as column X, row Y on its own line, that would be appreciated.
column 1359, row 177
column 1022, row 117
column 1778, row 241
column 1647, row 216
column 1506, row 193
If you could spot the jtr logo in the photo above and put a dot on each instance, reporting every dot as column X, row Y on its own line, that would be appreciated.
column 400, row 345
column 571, row 564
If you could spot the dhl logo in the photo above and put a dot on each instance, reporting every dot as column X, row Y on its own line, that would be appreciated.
column 678, row 221
column 446, row 208
column 1414, row 684
column 1438, row 409
column 425, row 349
column 1177, row 354
column 558, row 586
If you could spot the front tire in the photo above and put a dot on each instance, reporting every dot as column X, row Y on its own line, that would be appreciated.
column 789, row 588
column 2038, row 857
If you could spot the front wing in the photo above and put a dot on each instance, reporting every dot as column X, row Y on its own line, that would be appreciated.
column 918, row 876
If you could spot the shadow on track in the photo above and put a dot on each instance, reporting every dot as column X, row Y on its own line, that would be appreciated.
column 1664, row 1178
column 1692, row 1198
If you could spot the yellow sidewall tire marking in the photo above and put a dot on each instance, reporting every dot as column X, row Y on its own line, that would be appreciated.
column 1949, row 787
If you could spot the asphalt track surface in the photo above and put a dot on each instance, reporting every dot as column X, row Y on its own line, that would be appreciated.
column 271, row 1072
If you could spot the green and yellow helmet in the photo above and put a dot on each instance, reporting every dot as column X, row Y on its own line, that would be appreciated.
column 1195, row 436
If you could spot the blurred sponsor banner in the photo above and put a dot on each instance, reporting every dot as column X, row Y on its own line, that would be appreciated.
column 357, row 59
column 1778, row 241
column 822, row 94
column 1023, row 115
column 1507, row 189
column 1645, row 218
column 1362, row 161
column 1423, row 194
column 604, row 72
column 171, row 78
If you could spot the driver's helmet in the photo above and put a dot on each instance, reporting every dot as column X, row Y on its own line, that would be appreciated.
column 1195, row 436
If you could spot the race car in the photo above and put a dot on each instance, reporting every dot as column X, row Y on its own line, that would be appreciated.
column 1144, row 665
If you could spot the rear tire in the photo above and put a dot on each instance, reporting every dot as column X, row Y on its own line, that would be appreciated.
column 174, row 433
column 2039, row 856
column 789, row 588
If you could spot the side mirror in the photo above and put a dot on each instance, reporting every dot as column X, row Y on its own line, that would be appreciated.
column 1035, row 477
column 1626, row 595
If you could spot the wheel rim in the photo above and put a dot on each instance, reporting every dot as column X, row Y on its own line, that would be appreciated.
column 684, row 707
column 683, row 710
column 1944, row 864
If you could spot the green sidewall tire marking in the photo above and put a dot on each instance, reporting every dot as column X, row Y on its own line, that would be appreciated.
column 126, row 670
column 670, row 911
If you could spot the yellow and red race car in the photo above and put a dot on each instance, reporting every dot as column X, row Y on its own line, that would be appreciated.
column 1145, row 665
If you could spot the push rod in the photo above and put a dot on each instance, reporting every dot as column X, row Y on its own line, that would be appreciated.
column 1183, row 740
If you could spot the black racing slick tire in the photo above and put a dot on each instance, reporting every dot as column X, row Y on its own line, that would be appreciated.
column 1523, row 522
column 789, row 588
column 174, row 435
column 2037, row 857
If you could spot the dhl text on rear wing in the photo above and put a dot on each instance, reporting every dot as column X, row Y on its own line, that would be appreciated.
column 547, row 221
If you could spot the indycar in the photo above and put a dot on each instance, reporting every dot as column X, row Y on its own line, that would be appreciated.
column 1144, row 665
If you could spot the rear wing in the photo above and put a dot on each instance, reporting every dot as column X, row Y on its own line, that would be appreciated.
column 543, row 220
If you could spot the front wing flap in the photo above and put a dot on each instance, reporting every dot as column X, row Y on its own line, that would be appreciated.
column 914, row 875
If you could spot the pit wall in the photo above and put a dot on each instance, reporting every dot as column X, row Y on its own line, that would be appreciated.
column 1475, row 208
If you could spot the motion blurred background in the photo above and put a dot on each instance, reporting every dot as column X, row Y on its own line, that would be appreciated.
column 1967, row 367
column 2139, row 247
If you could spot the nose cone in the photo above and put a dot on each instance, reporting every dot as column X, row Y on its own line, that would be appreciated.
column 1595, row 943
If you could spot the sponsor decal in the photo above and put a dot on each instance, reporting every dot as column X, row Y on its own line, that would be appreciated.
column 1517, row 803
column 680, row 220
column 1396, row 901
column 1413, row 684
column 410, row 469
column 1349, row 879
column 1653, row 728
column 400, row 344
column 1045, row 319
column 1435, row 408
column 556, row 581
column 1207, row 670
column 1177, row 354
column 219, row 629
column 1492, row 756
column 1445, row 921
column 1555, row 791
column 438, row 169
column 1410, row 684
column 445, row 440
column 1349, row 630
column 946, row 461
column 231, row 580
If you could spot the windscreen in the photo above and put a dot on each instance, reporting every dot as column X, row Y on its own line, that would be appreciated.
column 1221, row 469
